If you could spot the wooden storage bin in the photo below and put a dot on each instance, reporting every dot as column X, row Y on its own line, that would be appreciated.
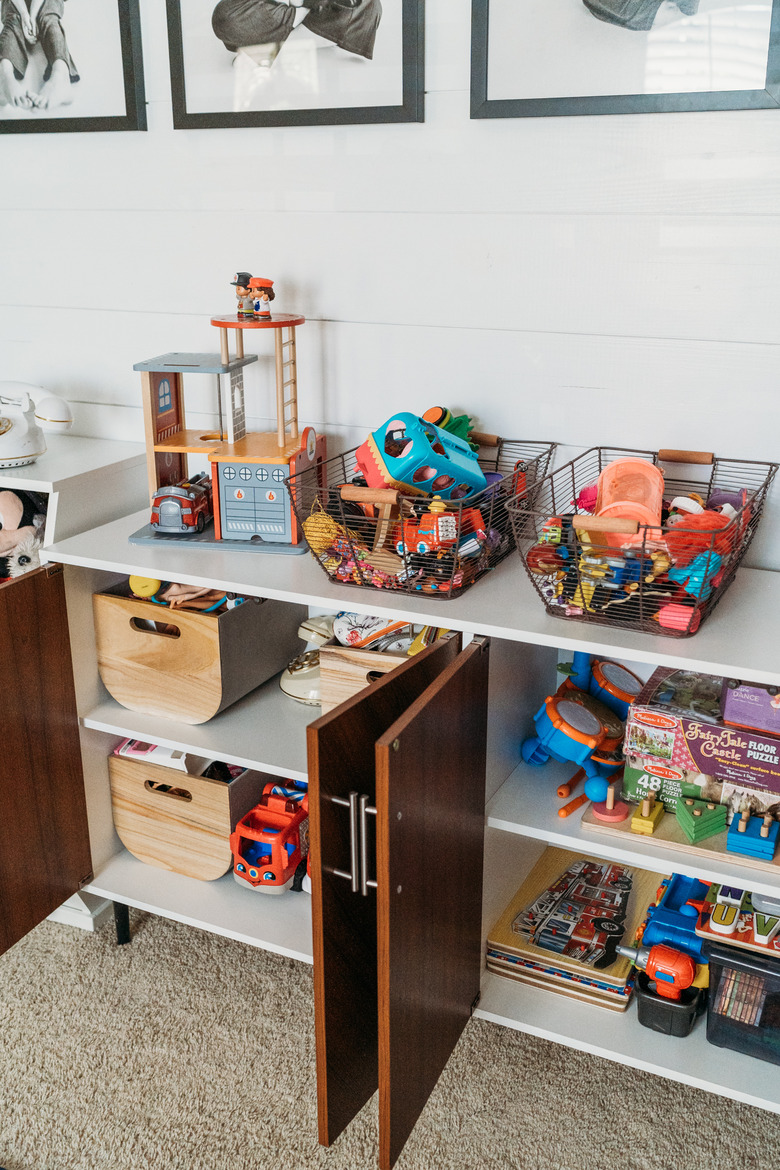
column 344, row 671
column 210, row 662
column 179, row 822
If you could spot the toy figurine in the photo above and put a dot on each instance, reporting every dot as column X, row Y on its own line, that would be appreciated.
column 262, row 293
column 241, row 282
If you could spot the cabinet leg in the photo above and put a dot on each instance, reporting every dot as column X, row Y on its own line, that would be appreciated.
column 122, row 923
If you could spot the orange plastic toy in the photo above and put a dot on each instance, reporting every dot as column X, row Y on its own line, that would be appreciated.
column 269, row 842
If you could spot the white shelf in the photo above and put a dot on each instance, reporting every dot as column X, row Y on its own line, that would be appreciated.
column 72, row 457
column 279, row 923
column 692, row 1060
column 266, row 730
column 527, row 804
column 738, row 639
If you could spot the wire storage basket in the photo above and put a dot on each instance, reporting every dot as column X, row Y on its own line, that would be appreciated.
column 380, row 538
column 589, row 562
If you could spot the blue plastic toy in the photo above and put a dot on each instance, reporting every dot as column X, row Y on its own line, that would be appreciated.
column 418, row 458
column 673, row 919
column 749, row 841
column 697, row 576
column 566, row 731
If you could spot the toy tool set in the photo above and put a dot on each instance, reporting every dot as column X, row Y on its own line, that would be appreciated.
column 638, row 538
column 420, row 506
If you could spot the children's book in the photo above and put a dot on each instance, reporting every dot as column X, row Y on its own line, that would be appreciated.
column 572, row 912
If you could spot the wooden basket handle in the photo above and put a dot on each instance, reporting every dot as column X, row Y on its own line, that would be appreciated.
column 366, row 495
column 672, row 456
column 484, row 440
column 605, row 524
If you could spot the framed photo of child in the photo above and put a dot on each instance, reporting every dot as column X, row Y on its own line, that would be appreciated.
column 534, row 58
column 70, row 65
column 241, row 63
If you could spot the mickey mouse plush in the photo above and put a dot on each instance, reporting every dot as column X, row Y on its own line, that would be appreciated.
column 22, row 520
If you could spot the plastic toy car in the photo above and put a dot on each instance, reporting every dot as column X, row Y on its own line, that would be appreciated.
column 183, row 508
column 438, row 529
column 269, row 842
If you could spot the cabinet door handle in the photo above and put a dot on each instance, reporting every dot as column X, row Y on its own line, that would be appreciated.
column 366, row 810
column 352, row 804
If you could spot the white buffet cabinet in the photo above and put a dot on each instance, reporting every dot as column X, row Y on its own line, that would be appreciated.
column 266, row 731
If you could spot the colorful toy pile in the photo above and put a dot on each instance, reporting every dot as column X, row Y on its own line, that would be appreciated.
column 421, row 505
column 611, row 538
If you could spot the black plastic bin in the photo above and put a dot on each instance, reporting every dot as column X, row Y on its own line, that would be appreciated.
column 744, row 1004
column 672, row 1017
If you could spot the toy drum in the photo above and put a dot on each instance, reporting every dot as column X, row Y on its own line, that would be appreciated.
column 566, row 729
column 612, row 726
column 614, row 685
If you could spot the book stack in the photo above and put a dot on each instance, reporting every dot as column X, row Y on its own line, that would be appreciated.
column 562, row 928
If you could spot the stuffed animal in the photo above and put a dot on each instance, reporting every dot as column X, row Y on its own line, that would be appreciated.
column 22, row 521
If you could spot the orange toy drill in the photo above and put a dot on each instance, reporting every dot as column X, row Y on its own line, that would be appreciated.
column 672, row 970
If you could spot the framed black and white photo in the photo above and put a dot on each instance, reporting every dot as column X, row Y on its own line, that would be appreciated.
column 535, row 58
column 70, row 65
column 238, row 63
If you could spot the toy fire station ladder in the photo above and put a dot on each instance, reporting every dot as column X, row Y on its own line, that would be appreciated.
column 286, row 382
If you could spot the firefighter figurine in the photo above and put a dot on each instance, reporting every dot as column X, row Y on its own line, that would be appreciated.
column 262, row 294
column 244, row 294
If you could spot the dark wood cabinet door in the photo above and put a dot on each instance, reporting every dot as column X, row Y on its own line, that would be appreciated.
column 44, row 842
column 341, row 747
column 430, row 802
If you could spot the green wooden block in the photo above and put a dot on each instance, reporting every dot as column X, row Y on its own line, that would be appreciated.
column 700, row 819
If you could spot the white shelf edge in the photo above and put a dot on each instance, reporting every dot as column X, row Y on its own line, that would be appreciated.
column 538, row 819
column 522, row 1007
column 283, row 920
column 503, row 604
column 221, row 737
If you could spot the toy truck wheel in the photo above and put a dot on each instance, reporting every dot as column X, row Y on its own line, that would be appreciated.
column 608, row 925
column 201, row 523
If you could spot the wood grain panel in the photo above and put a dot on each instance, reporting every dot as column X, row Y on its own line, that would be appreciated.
column 44, row 841
column 430, row 839
column 341, row 759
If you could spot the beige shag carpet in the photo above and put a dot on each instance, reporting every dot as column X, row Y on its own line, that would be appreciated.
column 185, row 1051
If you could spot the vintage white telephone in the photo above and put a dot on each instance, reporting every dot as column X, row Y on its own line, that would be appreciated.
column 21, row 433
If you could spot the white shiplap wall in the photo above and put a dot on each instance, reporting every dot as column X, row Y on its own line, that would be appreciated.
column 592, row 280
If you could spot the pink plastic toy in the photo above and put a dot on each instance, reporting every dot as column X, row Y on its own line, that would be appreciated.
column 631, row 489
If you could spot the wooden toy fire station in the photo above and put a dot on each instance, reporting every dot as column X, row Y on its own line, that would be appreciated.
column 251, row 503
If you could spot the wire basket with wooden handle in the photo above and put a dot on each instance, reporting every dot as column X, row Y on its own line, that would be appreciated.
column 379, row 538
column 590, row 561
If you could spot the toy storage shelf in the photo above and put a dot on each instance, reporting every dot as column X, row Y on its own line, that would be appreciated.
column 280, row 924
column 616, row 1036
column 266, row 731
column 526, row 804
column 620, row 1037
column 502, row 605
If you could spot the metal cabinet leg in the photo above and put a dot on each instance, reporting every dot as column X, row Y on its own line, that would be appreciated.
column 122, row 922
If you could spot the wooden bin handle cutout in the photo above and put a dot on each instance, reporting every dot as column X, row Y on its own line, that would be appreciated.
column 162, row 629
column 166, row 790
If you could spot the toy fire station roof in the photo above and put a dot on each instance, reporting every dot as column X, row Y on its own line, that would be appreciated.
column 193, row 363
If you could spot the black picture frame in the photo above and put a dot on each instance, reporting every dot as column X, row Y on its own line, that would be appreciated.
column 134, row 117
column 484, row 107
column 410, row 109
